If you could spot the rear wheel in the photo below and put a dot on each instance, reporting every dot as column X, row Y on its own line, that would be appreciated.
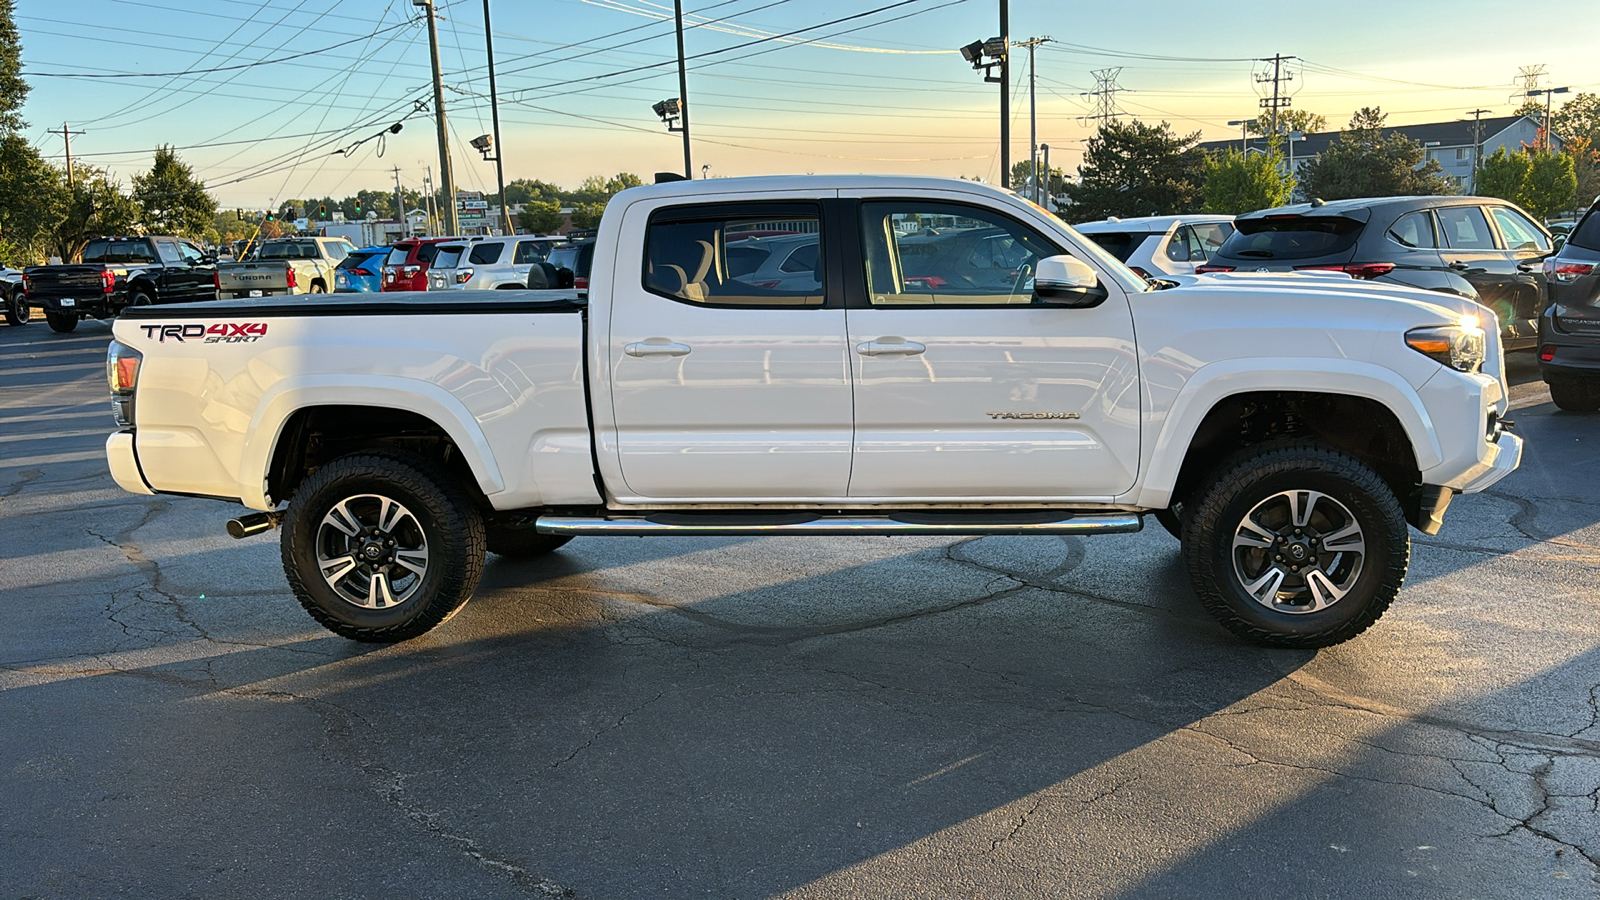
column 61, row 323
column 378, row 548
column 1296, row 545
column 1576, row 396
column 18, row 312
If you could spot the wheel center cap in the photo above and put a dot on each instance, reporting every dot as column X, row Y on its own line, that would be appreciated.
column 372, row 551
column 1297, row 552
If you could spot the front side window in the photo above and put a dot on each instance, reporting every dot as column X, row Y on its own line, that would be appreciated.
column 169, row 252
column 191, row 254
column 1520, row 234
column 728, row 256
column 972, row 257
column 1413, row 230
column 1465, row 228
column 486, row 253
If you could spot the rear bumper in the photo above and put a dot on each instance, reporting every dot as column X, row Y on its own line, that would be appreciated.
column 124, row 463
column 84, row 305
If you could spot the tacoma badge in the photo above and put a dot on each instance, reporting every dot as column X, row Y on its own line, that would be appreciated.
column 1032, row 415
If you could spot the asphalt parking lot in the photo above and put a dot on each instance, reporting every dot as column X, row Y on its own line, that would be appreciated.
column 823, row 717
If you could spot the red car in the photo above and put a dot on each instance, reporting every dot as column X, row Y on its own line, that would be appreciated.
column 406, row 269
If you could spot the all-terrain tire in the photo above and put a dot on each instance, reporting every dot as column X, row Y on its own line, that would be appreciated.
column 61, row 323
column 1576, row 396
column 1275, row 485
column 18, row 312
column 436, row 524
column 520, row 540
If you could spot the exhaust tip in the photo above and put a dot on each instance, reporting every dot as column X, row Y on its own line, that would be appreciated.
column 255, row 523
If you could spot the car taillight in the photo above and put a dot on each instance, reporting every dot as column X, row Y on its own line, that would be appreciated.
column 463, row 276
column 108, row 280
column 122, row 374
column 1354, row 270
column 1203, row 270
column 580, row 282
column 362, row 272
column 1547, row 353
column 291, row 278
column 410, row 271
column 216, row 279
column 24, row 284
column 764, row 284
column 1566, row 271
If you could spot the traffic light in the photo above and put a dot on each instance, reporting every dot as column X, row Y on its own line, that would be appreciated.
column 358, row 208
column 239, row 214
column 322, row 210
column 271, row 215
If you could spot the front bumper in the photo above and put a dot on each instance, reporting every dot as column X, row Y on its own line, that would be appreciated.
column 124, row 463
column 1506, row 456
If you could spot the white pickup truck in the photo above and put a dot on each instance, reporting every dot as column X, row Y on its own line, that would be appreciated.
column 281, row 266
column 944, row 359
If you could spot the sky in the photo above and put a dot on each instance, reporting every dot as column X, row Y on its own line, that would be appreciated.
column 287, row 99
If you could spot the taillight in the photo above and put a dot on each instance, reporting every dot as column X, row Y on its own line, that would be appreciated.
column 580, row 282
column 765, row 284
column 292, row 279
column 108, row 280
column 410, row 271
column 1566, row 271
column 360, row 271
column 216, row 279
column 463, row 276
column 122, row 374
column 1203, row 270
column 1547, row 353
column 1363, row 271
column 24, row 284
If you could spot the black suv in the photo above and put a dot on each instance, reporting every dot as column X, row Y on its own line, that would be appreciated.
column 1569, row 329
column 1477, row 247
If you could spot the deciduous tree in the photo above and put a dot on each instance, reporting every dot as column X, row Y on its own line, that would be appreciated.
column 1369, row 161
column 1579, row 118
column 1135, row 169
column 538, row 216
column 1552, row 185
column 1238, row 182
column 1288, row 120
column 97, row 208
column 33, row 198
column 1503, row 175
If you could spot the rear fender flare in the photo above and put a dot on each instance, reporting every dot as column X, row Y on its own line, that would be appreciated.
column 423, row 398
column 1215, row 383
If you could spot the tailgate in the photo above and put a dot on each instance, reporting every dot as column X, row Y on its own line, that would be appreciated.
column 253, row 276
column 55, row 281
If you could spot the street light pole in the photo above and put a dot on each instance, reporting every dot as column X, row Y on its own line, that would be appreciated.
column 494, row 109
column 683, row 92
column 1045, row 149
column 1477, row 147
column 1244, row 133
column 1005, row 93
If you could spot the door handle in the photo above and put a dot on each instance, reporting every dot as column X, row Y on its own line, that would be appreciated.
column 1460, row 266
column 890, row 346
column 656, row 347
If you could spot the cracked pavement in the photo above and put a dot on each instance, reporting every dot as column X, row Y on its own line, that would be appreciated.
column 795, row 717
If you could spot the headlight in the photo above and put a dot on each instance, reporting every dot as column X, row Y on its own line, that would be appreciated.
column 1461, row 347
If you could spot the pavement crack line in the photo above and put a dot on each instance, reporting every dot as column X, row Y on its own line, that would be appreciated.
column 607, row 730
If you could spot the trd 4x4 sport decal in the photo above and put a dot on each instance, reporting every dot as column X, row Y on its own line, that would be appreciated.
column 222, row 333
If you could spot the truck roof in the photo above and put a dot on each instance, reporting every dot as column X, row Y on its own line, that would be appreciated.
column 756, row 183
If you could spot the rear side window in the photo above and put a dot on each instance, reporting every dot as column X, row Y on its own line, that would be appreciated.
column 486, row 253
column 690, row 255
column 1414, row 230
column 1587, row 234
column 1465, row 228
column 1519, row 233
column 1120, row 244
column 1292, row 237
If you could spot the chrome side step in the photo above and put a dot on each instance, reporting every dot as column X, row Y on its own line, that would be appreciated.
column 685, row 524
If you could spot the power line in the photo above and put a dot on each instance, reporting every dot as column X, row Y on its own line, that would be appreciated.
column 250, row 65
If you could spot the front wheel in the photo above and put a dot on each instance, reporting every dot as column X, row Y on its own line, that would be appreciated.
column 61, row 323
column 378, row 548
column 1576, row 396
column 1296, row 545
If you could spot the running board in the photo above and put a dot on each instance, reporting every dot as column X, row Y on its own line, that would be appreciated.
column 725, row 525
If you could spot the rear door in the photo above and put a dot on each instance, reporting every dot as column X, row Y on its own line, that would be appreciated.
column 967, row 386
column 722, row 389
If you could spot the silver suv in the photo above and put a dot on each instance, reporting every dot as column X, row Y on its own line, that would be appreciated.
column 491, row 263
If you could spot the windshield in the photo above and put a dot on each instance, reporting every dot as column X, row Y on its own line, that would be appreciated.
column 117, row 252
column 1291, row 237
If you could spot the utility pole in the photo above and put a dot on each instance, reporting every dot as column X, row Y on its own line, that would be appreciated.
column 683, row 92
column 1033, row 112
column 400, row 206
column 429, row 203
column 1005, row 93
column 66, row 136
column 1477, row 147
column 1278, row 99
column 450, row 224
column 494, row 109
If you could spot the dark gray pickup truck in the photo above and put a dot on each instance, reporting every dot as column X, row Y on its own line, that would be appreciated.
column 117, row 272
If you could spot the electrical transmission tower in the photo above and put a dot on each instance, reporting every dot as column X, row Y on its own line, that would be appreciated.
column 1104, row 96
column 1528, row 78
column 1280, row 77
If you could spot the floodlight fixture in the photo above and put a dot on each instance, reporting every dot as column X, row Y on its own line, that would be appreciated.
column 670, row 110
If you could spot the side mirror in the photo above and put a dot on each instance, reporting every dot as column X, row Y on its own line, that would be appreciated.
column 1067, row 281
column 208, row 258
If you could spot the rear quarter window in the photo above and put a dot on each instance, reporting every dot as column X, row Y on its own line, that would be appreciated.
column 1120, row 244
column 486, row 254
column 1587, row 234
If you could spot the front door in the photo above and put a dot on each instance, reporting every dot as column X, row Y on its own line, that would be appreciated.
column 725, row 386
column 1470, row 249
column 967, row 386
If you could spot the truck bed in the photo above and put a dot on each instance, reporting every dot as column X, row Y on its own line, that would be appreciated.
column 398, row 303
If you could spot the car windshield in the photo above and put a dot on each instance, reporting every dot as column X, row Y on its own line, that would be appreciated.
column 289, row 250
column 117, row 252
column 1120, row 244
column 1291, row 237
column 1586, row 235
column 355, row 260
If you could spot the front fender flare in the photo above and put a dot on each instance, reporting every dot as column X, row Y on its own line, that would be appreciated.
column 423, row 398
column 1216, row 382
